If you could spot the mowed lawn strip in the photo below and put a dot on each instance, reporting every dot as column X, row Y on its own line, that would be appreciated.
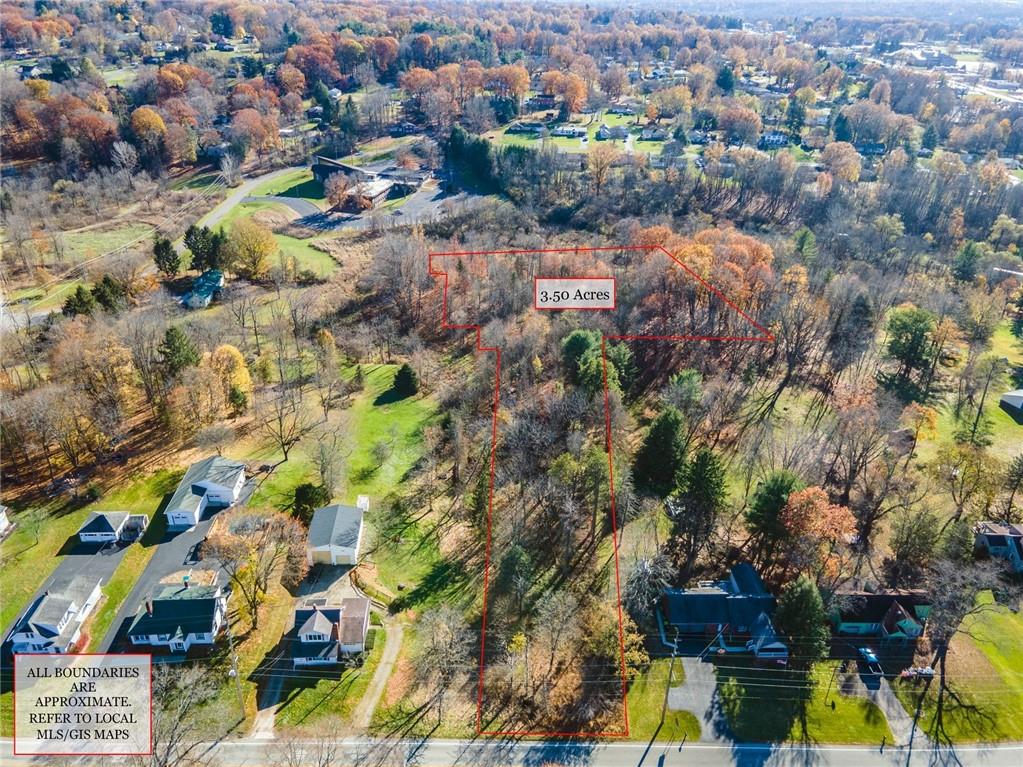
column 313, row 693
column 646, row 699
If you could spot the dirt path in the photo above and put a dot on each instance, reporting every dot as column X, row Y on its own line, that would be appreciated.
column 363, row 713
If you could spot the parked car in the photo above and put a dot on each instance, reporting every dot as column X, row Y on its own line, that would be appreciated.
column 870, row 659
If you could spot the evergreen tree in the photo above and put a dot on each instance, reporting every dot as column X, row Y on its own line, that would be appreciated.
column 308, row 498
column 725, row 79
column 110, row 294
column 661, row 457
column 620, row 355
column 406, row 382
column 795, row 116
column 964, row 267
column 841, row 128
column 79, row 302
column 802, row 620
column 574, row 347
column 207, row 247
column 177, row 351
column 695, row 508
column 805, row 242
column 166, row 257
column 930, row 138
column 590, row 373
column 763, row 515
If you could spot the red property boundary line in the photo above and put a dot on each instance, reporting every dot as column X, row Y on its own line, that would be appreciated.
column 764, row 336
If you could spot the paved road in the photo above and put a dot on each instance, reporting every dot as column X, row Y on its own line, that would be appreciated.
column 512, row 753
column 98, row 562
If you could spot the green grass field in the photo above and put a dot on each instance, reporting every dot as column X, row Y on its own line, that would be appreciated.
column 987, row 673
column 296, row 183
column 94, row 242
column 759, row 708
column 315, row 694
column 646, row 698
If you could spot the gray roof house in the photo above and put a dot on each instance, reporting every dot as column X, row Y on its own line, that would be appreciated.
column 180, row 616
column 53, row 622
column 1000, row 539
column 215, row 482
column 321, row 633
column 103, row 527
column 335, row 535
column 734, row 614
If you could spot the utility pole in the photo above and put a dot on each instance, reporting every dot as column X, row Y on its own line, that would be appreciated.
column 234, row 667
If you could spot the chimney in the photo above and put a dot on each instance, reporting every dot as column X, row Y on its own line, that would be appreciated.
column 149, row 606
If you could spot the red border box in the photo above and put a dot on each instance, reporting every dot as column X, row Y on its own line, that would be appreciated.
column 612, row 307
column 763, row 336
column 14, row 702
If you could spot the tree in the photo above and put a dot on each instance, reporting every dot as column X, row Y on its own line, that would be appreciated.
column 695, row 508
column 740, row 124
column 817, row 532
column 801, row 618
column 110, row 294
column 335, row 189
column 308, row 498
column 179, row 694
column 574, row 347
column 645, row 585
column 725, row 79
column 250, row 248
column 81, row 301
column 661, row 457
column 964, row 267
column 282, row 417
column 445, row 645
column 913, row 543
column 842, row 161
column 177, row 352
column 909, row 338
column 764, row 513
column 206, row 246
column 599, row 161
column 254, row 547
column 406, row 382
column 166, row 257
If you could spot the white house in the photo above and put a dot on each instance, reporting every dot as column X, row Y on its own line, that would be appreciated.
column 215, row 482
column 335, row 535
column 180, row 616
column 53, row 623
column 322, row 633
column 103, row 527
column 5, row 523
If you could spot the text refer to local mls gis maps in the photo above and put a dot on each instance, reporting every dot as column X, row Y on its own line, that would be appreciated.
column 82, row 705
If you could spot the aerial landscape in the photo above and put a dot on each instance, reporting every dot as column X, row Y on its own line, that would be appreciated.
column 511, row 383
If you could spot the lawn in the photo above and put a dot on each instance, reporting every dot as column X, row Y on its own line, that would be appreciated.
column 312, row 694
column 646, row 698
column 296, row 183
column 41, row 299
column 767, row 705
column 306, row 256
column 26, row 564
column 986, row 670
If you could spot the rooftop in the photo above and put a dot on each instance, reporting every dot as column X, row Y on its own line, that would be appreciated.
column 336, row 525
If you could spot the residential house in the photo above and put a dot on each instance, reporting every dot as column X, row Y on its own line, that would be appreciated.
column 612, row 132
column 542, row 102
column 569, row 131
column 773, row 140
column 1012, row 401
column 366, row 195
column 1002, row 540
column 620, row 109
column 213, row 482
column 653, row 133
column 523, row 126
column 404, row 129
column 112, row 526
column 733, row 614
column 335, row 535
column 894, row 615
column 53, row 623
column 5, row 523
column 180, row 616
column 698, row 137
column 205, row 288
column 324, row 167
column 322, row 633
column 870, row 148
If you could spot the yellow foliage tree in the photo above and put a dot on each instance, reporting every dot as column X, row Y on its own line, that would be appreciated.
column 250, row 248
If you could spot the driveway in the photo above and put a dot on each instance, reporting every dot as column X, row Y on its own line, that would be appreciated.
column 96, row 561
column 175, row 552
column 698, row 695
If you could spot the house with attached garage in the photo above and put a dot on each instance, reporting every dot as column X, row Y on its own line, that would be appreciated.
column 732, row 615
column 335, row 534
column 179, row 616
column 896, row 615
column 213, row 482
column 322, row 633
column 53, row 622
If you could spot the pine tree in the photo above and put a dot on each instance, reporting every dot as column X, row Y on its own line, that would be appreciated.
column 110, row 294
column 79, row 302
column 802, row 620
column 842, row 130
column 406, row 382
column 661, row 457
column 177, row 351
column 725, row 79
column 574, row 347
column 763, row 515
column 166, row 257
